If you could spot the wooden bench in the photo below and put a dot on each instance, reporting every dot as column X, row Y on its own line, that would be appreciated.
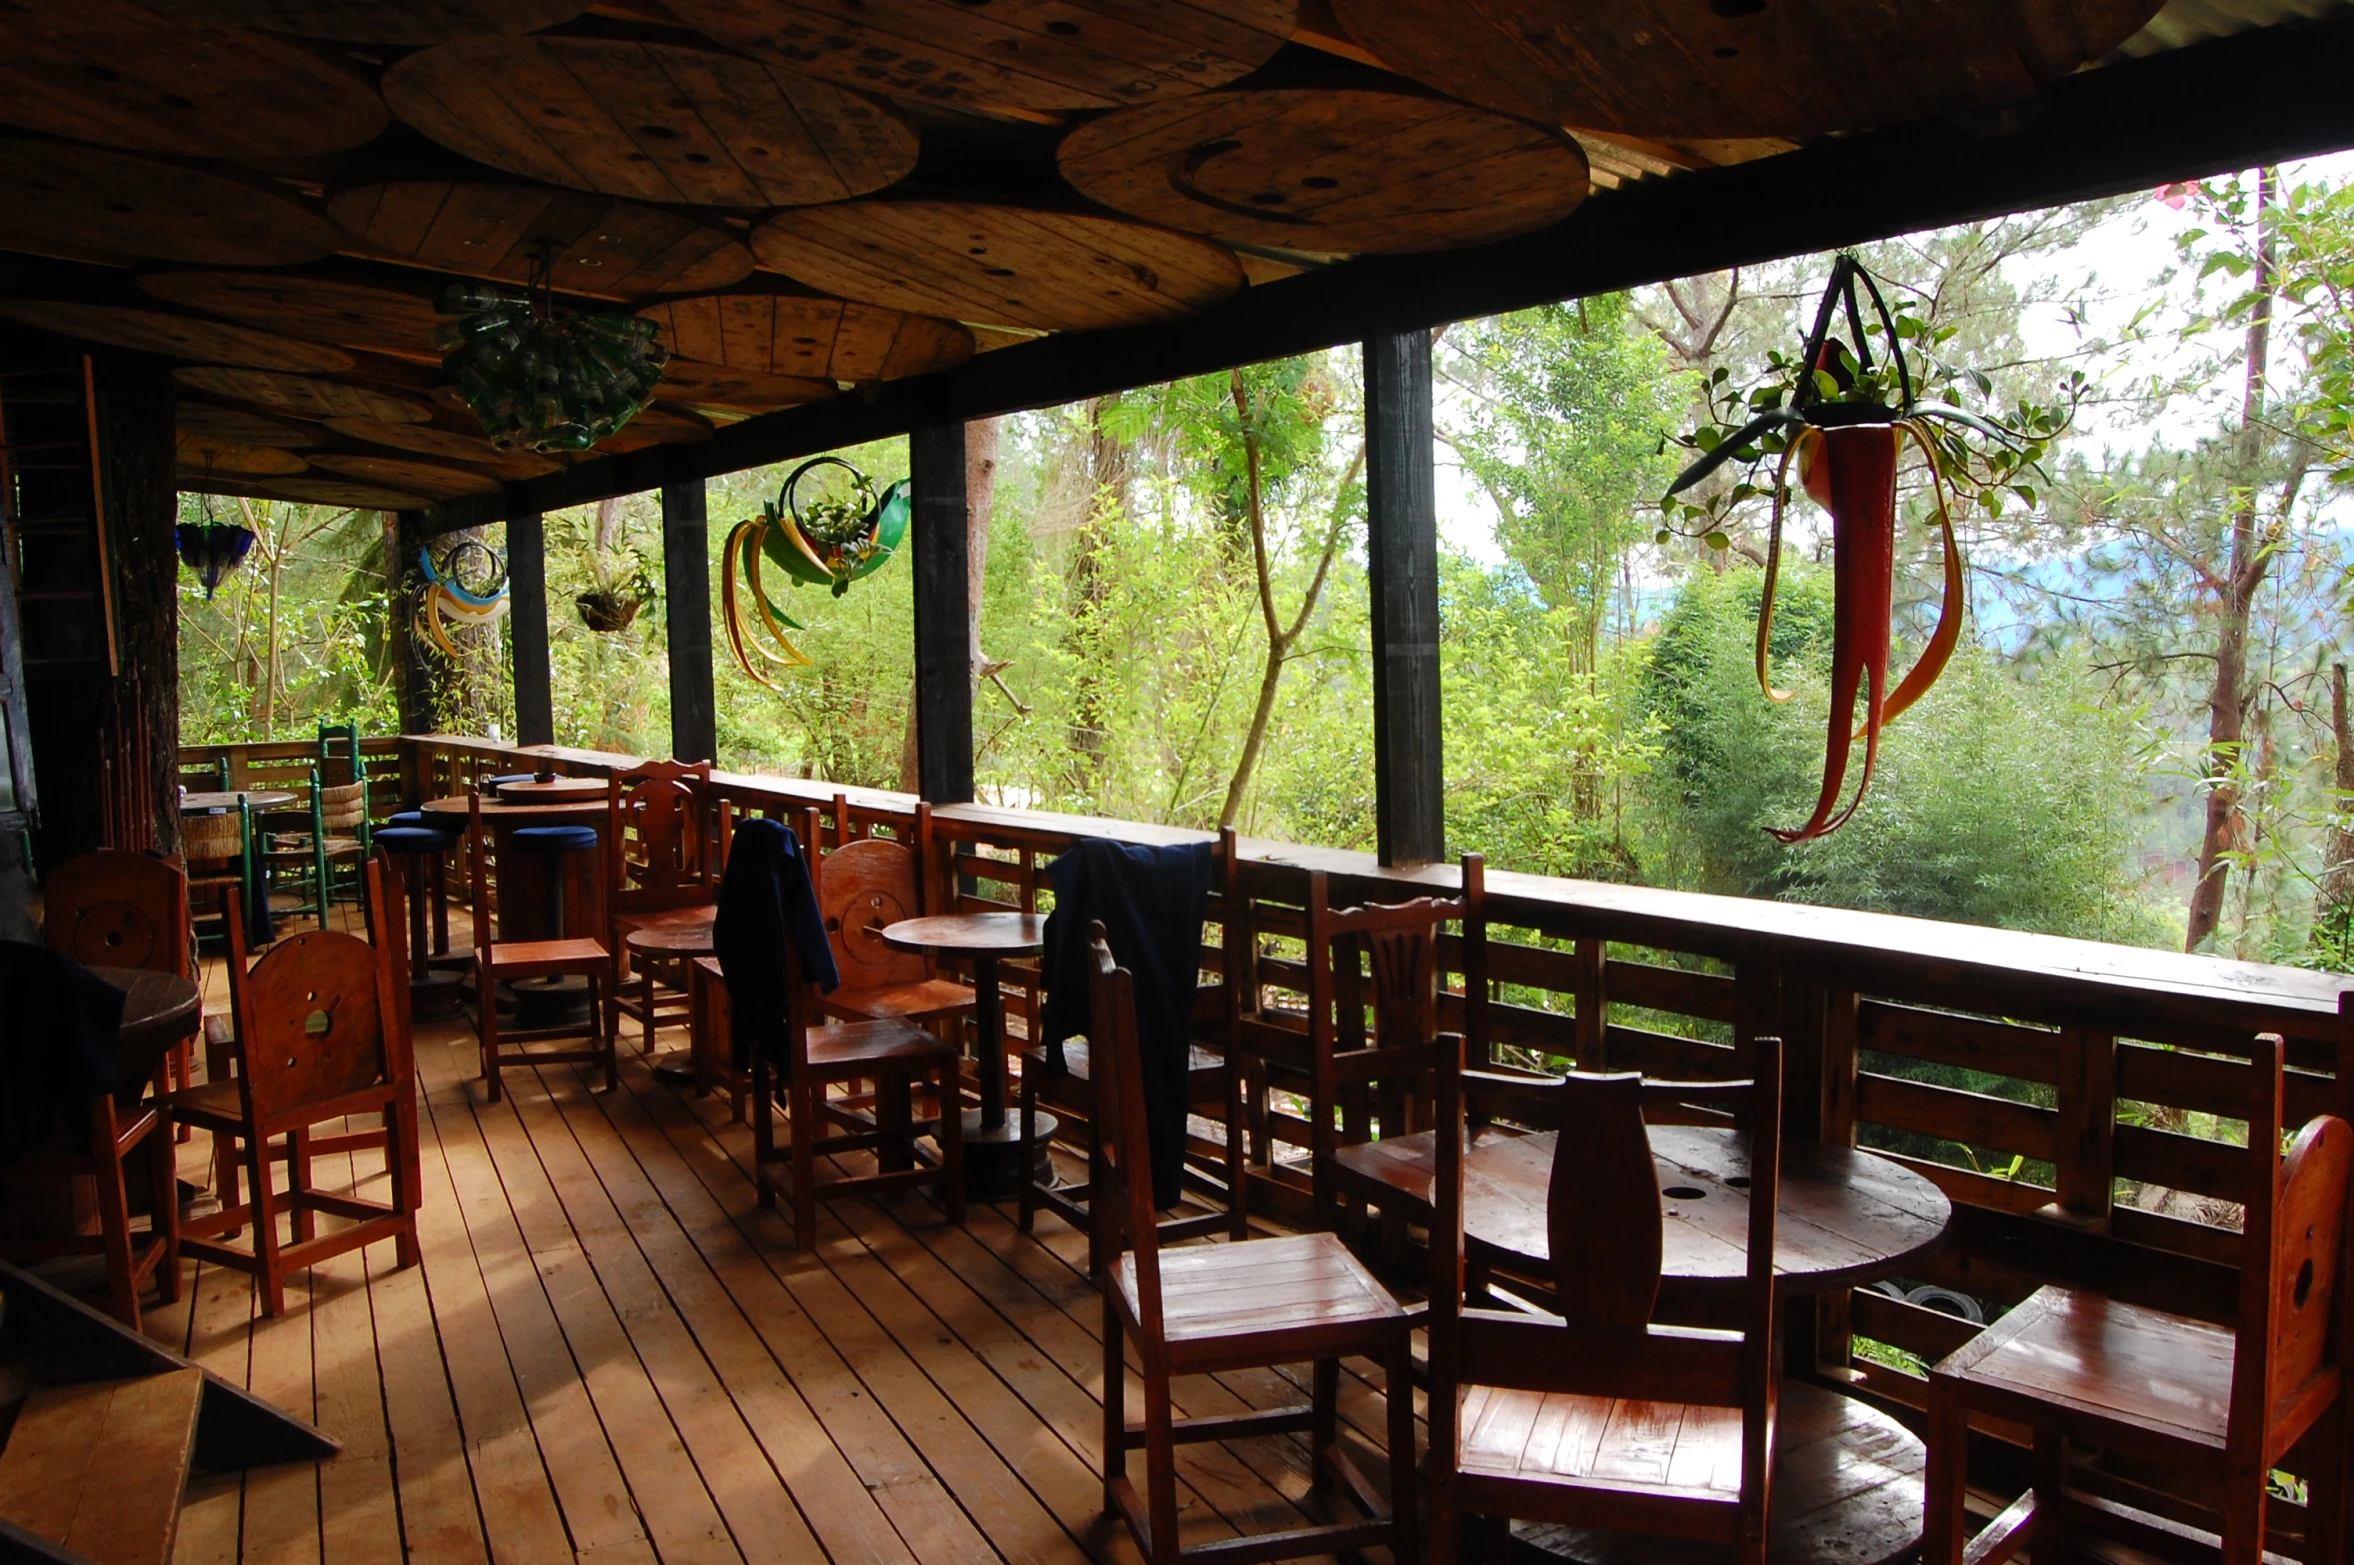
column 97, row 1468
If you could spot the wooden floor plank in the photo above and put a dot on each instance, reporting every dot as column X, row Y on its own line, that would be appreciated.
column 598, row 1510
column 441, row 1520
column 359, row 1506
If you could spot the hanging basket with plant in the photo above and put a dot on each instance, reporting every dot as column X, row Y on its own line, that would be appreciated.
column 1845, row 418
column 610, row 607
column 827, row 527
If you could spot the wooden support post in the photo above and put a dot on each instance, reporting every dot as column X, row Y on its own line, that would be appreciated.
column 686, row 596
column 2085, row 1171
column 943, row 616
column 402, row 599
column 527, row 627
column 1402, row 554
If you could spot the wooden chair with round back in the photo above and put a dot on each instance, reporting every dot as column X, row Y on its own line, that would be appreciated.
column 109, row 908
column 663, row 877
column 865, row 885
column 2212, row 1409
column 1251, row 1304
column 322, row 1022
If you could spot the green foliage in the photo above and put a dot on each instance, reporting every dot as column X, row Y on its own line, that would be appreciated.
column 1996, row 801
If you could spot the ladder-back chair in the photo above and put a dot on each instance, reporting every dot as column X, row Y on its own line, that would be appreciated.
column 1254, row 1303
column 556, row 955
column 2217, row 1407
column 322, row 1034
column 662, row 875
column 1598, row 1417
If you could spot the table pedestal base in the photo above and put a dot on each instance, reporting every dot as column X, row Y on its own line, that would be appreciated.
column 996, row 1162
column 677, row 1067
column 437, row 996
column 561, row 1001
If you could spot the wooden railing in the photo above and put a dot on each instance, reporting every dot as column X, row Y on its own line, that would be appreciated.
column 2029, row 1077
column 286, row 764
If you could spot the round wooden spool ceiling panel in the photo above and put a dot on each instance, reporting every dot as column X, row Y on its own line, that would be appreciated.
column 700, row 385
column 300, row 395
column 383, row 21
column 1013, row 54
column 651, row 120
column 351, row 315
column 234, row 427
column 1346, row 171
column 425, row 478
column 425, row 440
column 119, row 74
column 600, row 246
column 341, row 491
column 1734, row 68
column 198, row 454
column 85, row 203
column 828, row 339
column 998, row 266
column 177, row 336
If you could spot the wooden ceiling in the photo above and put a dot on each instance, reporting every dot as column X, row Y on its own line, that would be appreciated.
column 816, row 195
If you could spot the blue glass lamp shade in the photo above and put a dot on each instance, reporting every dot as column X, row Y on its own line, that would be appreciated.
column 212, row 550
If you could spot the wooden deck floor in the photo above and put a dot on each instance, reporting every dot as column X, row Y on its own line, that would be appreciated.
column 611, row 1352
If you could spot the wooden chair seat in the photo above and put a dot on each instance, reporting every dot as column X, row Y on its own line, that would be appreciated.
column 99, row 1467
column 1843, row 1470
column 924, row 1000
column 1239, row 1298
column 1075, row 1087
column 840, row 1050
column 701, row 913
column 523, row 958
column 209, row 1105
column 1397, row 1170
column 2112, row 1370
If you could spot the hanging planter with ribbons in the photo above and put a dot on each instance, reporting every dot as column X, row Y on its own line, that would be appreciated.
column 451, row 597
column 827, row 527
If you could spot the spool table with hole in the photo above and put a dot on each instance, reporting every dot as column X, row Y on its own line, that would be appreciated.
column 996, row 1161
column 554, row 790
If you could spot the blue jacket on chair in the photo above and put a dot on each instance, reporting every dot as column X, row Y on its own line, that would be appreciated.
column 765, row 899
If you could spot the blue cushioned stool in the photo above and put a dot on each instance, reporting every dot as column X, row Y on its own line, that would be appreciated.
column 431, row 886
column 419, row 850
column 553, row 842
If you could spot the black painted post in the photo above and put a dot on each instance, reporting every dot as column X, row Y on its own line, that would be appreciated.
column 527, row 627
column 943, row 632
column 1402, row 551
column 686, row 596
column 405, row 598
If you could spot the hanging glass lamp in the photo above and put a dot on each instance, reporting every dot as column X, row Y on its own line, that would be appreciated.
column 543, row 378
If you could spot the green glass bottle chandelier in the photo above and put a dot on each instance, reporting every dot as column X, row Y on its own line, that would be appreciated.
column 545, row 378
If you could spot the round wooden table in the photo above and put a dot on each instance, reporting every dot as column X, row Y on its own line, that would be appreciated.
column 553, row 790
column 996, row 1158
column 671, row 945
column 159, row 1009
column 1845, row 1216
column 254, row 798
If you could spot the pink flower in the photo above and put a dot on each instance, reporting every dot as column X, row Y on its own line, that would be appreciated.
column 2178, row 195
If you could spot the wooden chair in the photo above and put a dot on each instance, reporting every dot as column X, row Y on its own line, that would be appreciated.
column 863, row 885
column 1255, row 1303
column 109, row 908
column 662, row 874
column 2221, row 1407
column 218, row 850
column 1211, row 1083
column 500, row 960
column 320, row 1021
column 890, row 1052
column 1597, row 1417
column 338, row 833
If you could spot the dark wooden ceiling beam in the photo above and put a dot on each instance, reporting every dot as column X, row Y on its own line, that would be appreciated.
column 2267, row 95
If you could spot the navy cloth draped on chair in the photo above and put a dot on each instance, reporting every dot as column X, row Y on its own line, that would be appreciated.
column 765, row 899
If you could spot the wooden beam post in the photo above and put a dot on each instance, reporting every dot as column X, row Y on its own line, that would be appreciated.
column 527, row 627
column 686, row 596
column 943, row 615
column 403, row 598
column 1402, row 554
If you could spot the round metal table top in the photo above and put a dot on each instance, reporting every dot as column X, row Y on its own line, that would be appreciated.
column 986, row 935
column 555, row 790
column 1845, row 1215
column 257, row 798
column 562, row 812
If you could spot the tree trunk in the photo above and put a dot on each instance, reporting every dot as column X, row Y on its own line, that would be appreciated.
column 2224, row 831
column 2333, row 903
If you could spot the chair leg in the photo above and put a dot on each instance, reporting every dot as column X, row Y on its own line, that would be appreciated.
column 609, row 1044
column 1115, row 1401
column 183, row 1077
column 2049, row 1540
column 2243, row 1515
column 1026, row 1204
column 949, row 1120
column 1238, row 1216
column 486, row 1011
column 268, row 1275
column 894, row 1115
column 1949, row 1453
column 763, row 1133
column 1405, row 1541
column 164, row 1219
column 802, row 1121
column 401, row 1162
column 114, row 1226
column 1160, row 1468
column 1323, row 1423
column 2325, row 1487
column 305, row 1220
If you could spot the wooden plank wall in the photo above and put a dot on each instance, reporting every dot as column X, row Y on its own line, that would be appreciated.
column 2033, row 1080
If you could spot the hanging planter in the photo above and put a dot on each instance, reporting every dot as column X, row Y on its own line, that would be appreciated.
column 470, row 598
column 1845, row 420
column 212, row 550
column 543, row 378
column 611, row 608
column 827, row 527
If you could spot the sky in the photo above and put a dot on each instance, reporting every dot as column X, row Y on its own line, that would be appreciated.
column 2124, row 259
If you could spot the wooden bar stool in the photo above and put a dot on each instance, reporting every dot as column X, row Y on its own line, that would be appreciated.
column 555, row 955
column 418, row 851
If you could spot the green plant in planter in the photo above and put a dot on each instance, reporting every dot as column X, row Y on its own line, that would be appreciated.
column 825, row 538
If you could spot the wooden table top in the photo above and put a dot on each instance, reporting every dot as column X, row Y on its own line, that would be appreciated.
column 984, row 935
column 559, row 813
column 1845, row 1216
column 258, row 798
column 671, row 939
column 556, row 790
column 159, row 1009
